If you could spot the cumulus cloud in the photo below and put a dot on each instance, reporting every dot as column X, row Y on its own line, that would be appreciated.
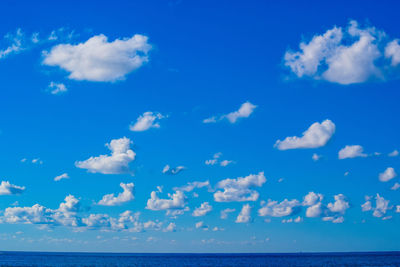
column 57, row 88
column 352, row 151
column 244, row 215
column 340, row 205
column 9, row 189
column 175, row 201
column 317, row 135
column 395, row 186
column 116, row 163
column 171, row 171
column 62, row 176
column 239, row 189
column 171, row 227
column 381, row 206
column 312, row 198
column 245, row 110
column 99, row 60
column 387, row 175
column 314, row 210
column 202, row 210
column 276, row 209
column 146, row 121
column 125, row 196
column 392, row 51
column 225, row 212
column 344, row 56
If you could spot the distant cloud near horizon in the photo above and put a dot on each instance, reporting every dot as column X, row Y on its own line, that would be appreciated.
column 317, row 135
column 345, row 55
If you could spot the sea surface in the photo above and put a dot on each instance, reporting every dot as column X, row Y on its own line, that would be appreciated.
column 139, row 259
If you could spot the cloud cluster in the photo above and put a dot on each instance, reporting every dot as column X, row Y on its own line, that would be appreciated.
column 345, row 56
column 146, row 121
column 276, row 209
column 317, row 135
column 125, row 196
column 216, row 159
column 239, row 189
column 381, row 206
column 57, row 88
column 116, row 163
column 175, row 201
column 97, row 59
column 245, row 110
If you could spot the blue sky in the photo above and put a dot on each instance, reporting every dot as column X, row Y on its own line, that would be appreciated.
column 282, row 118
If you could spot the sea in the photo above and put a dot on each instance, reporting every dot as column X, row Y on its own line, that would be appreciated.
column 150, row 259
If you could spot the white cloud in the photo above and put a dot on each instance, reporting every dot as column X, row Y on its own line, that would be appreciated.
column 225, row 163
column 116, row 163
column 170, row 228
column 146, row 121
column 395, row 186
column 62, row 176
column 387, row 175
column 202, row 210
column 225, row 212
column 239, row 189
column 192, row 185
column 9, row 189
column 175, row 201
column 244, row 215
column 317, row 135
column 316, row 157
column 340, row 205
column 381, row 206
column 344, row 56
column 100, row 60
column 276, row 209
column 199, row 224
column 312, row 198
column 314, row 210
column 16, row 44
column 57, row 88
column 245, row 110
column 125, row 196
column 394, row 153
column 168, row 170
column 352, row 151
column 392, row 51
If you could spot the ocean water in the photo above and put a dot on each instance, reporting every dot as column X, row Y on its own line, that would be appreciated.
column 127, row 259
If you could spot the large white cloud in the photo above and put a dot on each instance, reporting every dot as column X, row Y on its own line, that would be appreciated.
column 146, row 121
column 97, row 59
column 245, row 110
column 344, row 56
column 244, row 215
column 202, row 210
column 239, row 189
column 387, row 175
column 352, row 151
column 340, row 205
column 276, row 209
column 317, row 135
column 125, row 196
column 116, row 163
column 9, row 189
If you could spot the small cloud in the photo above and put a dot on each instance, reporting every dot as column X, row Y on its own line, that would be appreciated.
column 316, row 157
column 394, row 153
column 146, row 121
column 245, row 110
column 172, row 171
column 57, row 88
column 352, row 151
column 387, row 175
column 62, row 176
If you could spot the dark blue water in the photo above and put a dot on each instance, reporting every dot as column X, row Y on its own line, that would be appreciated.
column 125, row 259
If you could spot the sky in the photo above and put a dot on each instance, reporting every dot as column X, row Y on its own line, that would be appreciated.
column 199, row 126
